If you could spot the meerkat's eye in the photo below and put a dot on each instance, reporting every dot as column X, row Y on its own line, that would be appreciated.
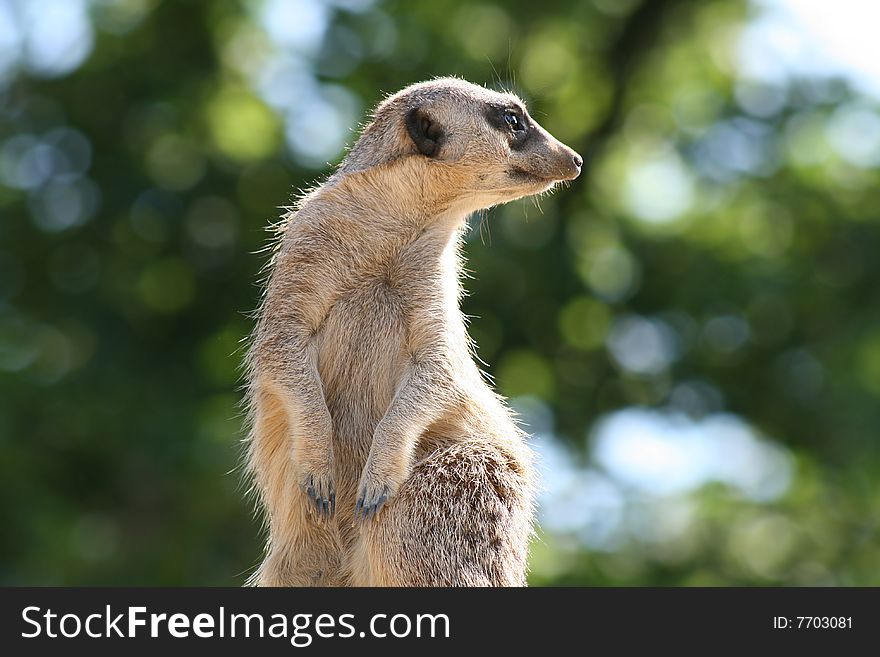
column 514, row 122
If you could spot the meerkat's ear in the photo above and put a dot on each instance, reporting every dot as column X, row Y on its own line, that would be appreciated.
column 427, row 134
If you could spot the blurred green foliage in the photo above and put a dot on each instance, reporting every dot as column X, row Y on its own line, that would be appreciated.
column 732, row 223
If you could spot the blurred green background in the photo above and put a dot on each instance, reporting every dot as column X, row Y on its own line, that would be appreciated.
column 689, row 330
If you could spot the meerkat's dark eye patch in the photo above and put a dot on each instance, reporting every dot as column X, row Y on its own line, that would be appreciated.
column 427, row 134
column 511, row 120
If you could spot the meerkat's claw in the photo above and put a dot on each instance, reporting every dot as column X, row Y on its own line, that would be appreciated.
column 370, row 502
column 322, row 495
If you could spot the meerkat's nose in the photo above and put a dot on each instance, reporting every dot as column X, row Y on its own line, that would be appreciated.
column 576, row 163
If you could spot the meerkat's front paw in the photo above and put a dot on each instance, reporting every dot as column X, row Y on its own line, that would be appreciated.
column 378, row 485
column 316, row 480
column 371, row 499
column 320, row 490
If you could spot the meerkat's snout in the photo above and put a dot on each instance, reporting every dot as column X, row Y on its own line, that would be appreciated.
column 570, row 163
column 544, row 157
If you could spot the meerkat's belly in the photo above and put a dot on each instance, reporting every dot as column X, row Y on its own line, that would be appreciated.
column 361, row 355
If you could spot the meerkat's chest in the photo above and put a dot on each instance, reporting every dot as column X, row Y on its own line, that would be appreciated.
column 362, row 350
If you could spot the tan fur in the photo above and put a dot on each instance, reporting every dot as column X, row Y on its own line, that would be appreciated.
column 361, row 381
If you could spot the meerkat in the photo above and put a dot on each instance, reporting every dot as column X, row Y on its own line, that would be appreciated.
column 379, row 453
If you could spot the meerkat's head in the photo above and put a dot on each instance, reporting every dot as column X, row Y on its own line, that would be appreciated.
column 479, row 145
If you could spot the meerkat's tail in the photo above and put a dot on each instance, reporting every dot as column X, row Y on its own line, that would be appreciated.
column 464, row 517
